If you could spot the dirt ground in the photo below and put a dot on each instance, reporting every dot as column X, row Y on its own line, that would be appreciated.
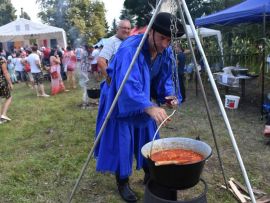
column 247, row 125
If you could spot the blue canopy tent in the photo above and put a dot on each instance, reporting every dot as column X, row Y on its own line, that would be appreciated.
column 249, row 11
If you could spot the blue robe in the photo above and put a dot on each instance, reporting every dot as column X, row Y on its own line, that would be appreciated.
column 129, row 127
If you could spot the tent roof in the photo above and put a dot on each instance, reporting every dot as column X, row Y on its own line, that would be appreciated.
column 23, row 26
column 204, row 32
column 102, row 42
column 247, row 11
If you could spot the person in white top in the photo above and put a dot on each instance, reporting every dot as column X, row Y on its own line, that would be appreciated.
column 19, row 68
column 27, row 69
column 94, row 57
column 34, row 60
column 110, row 48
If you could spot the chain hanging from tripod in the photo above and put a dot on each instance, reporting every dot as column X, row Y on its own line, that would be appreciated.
column 174, row 42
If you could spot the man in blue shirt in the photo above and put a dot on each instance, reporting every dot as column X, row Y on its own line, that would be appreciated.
column 135, row 117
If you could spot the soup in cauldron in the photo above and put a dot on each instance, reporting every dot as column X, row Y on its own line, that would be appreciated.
column 176, row 156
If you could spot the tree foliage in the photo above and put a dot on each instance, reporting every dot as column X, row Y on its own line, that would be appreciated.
column 141, row 10
column 83, row 20
column 7, row 12
column 113, row 29
column 210, row 6
column 25, row 16
column 125, row 14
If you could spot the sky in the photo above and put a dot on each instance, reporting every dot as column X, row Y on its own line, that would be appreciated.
column 113, row 8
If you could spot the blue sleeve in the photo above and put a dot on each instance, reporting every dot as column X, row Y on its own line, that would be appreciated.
column 135, row 96
column 166, row 83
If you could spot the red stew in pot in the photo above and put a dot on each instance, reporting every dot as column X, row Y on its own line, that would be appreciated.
column 176, row 156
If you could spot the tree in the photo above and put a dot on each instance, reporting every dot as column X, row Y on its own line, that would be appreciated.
column 99, row 24
column 83, row 20
column 229, row 3
column 7, row 12
column 212, row 6
column 54, row 12
column 113, row 29
column 140, row 9
column 125, row 14
column 25, row 16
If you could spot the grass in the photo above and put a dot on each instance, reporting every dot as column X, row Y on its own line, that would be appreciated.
column 44, row 147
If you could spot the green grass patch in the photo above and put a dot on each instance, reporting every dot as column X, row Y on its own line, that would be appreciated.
column 44, row 147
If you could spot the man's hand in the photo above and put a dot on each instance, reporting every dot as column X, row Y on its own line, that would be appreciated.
column 102, row 64
column 157, row 113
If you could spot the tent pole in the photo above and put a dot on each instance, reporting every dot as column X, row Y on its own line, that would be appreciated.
column 263, row 66
column 104, row 124
column 212, row 81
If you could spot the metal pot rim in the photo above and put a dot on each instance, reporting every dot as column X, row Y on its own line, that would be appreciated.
column 177, row 143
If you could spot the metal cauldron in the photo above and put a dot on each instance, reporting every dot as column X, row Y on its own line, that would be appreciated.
column 239, row 72
column 93, row 93
column 174, row 175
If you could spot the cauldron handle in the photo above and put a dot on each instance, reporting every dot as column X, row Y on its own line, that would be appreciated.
column 158, row 130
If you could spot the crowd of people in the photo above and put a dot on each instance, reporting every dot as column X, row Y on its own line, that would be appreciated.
column 34, row 65
column 136, row 115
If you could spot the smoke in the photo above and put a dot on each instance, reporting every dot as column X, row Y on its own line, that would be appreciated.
column 169, row 6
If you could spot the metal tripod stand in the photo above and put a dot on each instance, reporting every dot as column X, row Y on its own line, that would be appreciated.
column 183, row 9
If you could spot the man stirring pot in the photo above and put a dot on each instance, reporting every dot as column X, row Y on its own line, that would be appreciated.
column 135, row 117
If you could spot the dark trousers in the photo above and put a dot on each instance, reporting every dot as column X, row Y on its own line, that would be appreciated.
column 121, row 181
column 268, row 119
column 181, row 78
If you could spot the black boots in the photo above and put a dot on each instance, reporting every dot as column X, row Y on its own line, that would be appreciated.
column 125, row 191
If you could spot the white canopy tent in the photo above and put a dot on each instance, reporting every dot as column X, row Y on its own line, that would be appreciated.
column 102, row 42
column 202, row 32
column 206, row 32
column 23, row 32
column 167, row 6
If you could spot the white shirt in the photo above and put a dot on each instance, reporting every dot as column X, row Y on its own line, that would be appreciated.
column 18, row 64
column 32, row 60
column 95, row 55
column 110, row 48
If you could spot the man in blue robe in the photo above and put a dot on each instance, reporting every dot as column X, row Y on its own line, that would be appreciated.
column 135, row 117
